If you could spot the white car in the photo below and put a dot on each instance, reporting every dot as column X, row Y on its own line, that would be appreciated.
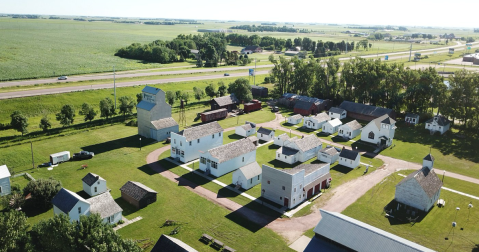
column 62, row 78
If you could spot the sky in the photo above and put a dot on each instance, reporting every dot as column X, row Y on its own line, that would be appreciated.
column 436, row 13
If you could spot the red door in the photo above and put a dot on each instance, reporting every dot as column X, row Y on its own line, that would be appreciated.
column 286, row 202
column 310, row 193
column 316, row 188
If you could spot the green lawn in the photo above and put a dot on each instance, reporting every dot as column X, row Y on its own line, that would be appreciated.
column 432, row 230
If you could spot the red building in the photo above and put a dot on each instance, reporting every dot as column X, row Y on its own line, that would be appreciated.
column 305, row 108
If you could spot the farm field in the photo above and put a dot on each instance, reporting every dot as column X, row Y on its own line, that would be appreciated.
column 432, row 230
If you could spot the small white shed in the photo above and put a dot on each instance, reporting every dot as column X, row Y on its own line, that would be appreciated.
column 247, row 176
column 328, row 155
column 438, row 123
column 338, row 113
column 295, row 119
column 332, row 126
column 411, row 118
column 5, row 175
column 265, row 134
column 350, row 130
column 246, row 129
column 279, row 140
column 93, row 184
column 349, row 158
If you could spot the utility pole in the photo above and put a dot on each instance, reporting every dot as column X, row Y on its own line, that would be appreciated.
column 254, row 73
column 410, row 51
column 114, row 85
column 31, row 148
column 346, row 46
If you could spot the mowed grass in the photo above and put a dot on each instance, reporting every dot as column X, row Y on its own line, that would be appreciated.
column 436, row 225
column 118, row 159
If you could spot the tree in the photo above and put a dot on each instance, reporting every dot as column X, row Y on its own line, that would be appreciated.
column 199, row 93
column 45, row 124
column 19, row 122
column 178, row 94
column 241, row 89
column 222, row 89
column 42, row 191
column 185, row 96
column 139, row 98
column 13, row 232
column 126, row 105
column 55, row 234
column 66, row 115
column 88, row 111
column 170, row 97
column 107, row 108
column 210, row 90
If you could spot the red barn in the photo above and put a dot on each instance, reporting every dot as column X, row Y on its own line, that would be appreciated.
column 305, row 108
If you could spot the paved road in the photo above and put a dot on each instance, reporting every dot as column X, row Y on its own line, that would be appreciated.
column 59, row 90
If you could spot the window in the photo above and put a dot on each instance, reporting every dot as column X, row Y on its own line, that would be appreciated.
column 284, row 188
column 167, row 132
column 214, row 164
column 300, row 196
column 295, row 189
column 202, row 160
column 198, row 140
column 280, row 198
column 219, row 134
column 294, row 201
column 243, row 159
column 371, row 135
column 351, row 161
column 190, row 143
column 96, row 189
column 213, row 136
column 181, row 144
column 251, row 181
column 261, row 135
column 111, row 219
column 98, row 182
column 174, row 140
column 268, row 182
column 173, row 149
column 79, row 209
column 182, row 153
column 0, row 189
column 258, row 177
column 300, row 186
column 284, row 156
column 278, row 154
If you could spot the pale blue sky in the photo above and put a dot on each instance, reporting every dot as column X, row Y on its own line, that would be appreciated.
column 457, row 13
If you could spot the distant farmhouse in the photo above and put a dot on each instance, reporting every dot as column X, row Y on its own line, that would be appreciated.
column 474, row 58
column 379, row 131
column 363, row 112
column 251, row 49
column 289, row 100
column 154, row 115
column 228, row 102
column 438, row 123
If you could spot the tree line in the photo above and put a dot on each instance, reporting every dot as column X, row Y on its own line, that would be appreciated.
column 378, row 83
column 269, row 28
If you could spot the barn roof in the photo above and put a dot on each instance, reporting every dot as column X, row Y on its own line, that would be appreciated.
column 441, row 120
column 427, row 179
column 251, row 170
column 354, row 125
column 145, row 105
column 287, row 151
column 136, row 190
column 91, row 178
column 231, row 150
column 336, row 110
column 308, row 142
column 151, row 90
column 4, row 172
column 226, row 100
column 104, row 205
column 164, row 123
column 266, row 131
column 65, row 200
column 363, row 109
column 305, row 105
column 359, row 236
column 348, row 154
column 321, row 117
column 170, row 244
column 201, row 131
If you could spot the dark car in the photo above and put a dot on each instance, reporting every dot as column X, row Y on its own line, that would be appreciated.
column 275, row 109
column 227, row 74
column 83, row 155
column 45, row 165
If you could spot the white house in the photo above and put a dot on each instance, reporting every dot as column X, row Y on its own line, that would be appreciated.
column 332, row 126
column 246, row 129
column 379, row 131
column 421, row 189
column 301, row 150
column 295, row 119
column 227, row 158
column 73, row 205
column 337, row 113
column 265, row 134
column 349, row 158
column 411, row 118
column 154, row 115
column 187, row 144
column 290, row 187
column 5, row 175
column 329, row 154
column 247, row 176
column 438, row 123
column 350, row 130
column 94, row 184
column 279, row 140
column 317, row 121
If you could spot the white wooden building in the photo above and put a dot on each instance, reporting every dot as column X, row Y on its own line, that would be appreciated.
column 332, row 126
column 379, row 131
column 93, row 184
column 279, row 140
column 154, row 115
column 265, row 134
column 337, row 113
column 295, row 119
column 247, row 176
column 438, row 123
column 421, row 189
column 246, row 130
column 106, row 207
column 317, row 121
column 349, row 158
column 328, row 154
column 290, row 187
column 411, row 118
column 227, row 158
column 187, row 144
column 5, row 187
column 350, row 130
column 301, row 150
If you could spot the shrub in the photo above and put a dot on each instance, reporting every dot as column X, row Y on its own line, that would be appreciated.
column 132, row 123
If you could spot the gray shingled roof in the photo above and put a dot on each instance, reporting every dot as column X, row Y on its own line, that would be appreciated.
column 360, row 236
column 231, row 150
column 247, row 126
column 321, row 117
column 349, row 154
column 360, row 108
column 296, row 117
column 251, row 170
column 429, row 157
column 354, row 125
column 412, row 115
column 303, row 105
column 164, row 123
column 283, row 137
column 441, row 120
column 170, row 244
column 336, row 110
column 136, row 190
column 383, row 119
column 308, row 142
column 65, row 200
column 287, row 151
column 214, row 111
column 201, row 131
column 226, row 100
column 91, row 178
column 252, row 138
column 427, row 179
column 308, row 168
column 330, row 150
column 104, row 205
column 262, row 130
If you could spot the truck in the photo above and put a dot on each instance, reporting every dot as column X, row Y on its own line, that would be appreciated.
column 59, row 157
column 214, row 115
column 83, row 155
column 252, row 106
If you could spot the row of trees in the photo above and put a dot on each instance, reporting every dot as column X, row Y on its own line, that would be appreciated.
column 268, row 28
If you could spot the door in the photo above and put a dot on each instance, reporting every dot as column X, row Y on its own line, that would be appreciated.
column 286, row 202
column 153, row 134
column 310, row 193
column 316, row 188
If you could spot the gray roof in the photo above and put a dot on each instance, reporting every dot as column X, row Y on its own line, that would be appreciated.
column 429, row 157
column 164, row 123
column 247, row 126
column 360, row 108
column 252, row 138
column 145, row 105
column 136, row 190
column 308, row 142
column 214, row 111
column 201, row 131
column 251, row 170
column 303, row 105
column 308, row 168
column 287, row 151
column 170, row 244
column 330, row 150
column 151, row 90
column 65, row 200
column 360, row 236
column 336, row 110
column 297, row 116
column 266, row 131
column 427, row 179
column 412, row 115
column 349, row 154
column 321, row 117
column 226, row 100
column 283, row 137
column 354, row 125
column 383, row 119
column 231, row 150
column 104, row 205
column 441, row 120
column 91, row 178
column 257, row 87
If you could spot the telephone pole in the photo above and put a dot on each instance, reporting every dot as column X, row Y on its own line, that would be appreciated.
column 114, row 85
column 410, row 51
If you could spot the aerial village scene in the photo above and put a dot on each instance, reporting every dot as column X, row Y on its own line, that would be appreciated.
column 211, row 126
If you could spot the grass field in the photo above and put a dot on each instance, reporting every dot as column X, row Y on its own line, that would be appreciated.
column 433, row 229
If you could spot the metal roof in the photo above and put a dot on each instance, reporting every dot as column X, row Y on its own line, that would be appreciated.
column 336, row 110
column 136, row 190
column 335, row 122
column 360, row 236
column 266, row 131
column 170, row 244
column 164, row 123
column 251, row 170
column 349, row 154
column 91, row 178
column 231, row 150
column 226, row 100
column 151, row 90
column 308, row 168
column 4, row 172
column 65, row 200
column 305, row 105
column 363, row 109
column 427, row 179
column 104, row 205
column 145, row 105
column 200, row 131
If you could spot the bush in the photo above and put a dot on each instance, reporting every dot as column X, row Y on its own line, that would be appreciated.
column 42, row 192
column 132, row 123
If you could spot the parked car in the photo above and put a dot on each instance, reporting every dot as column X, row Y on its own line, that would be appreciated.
column 83, row 155
column 62, row 78
column 275, row 109
column 227, row 74
column 45, row 164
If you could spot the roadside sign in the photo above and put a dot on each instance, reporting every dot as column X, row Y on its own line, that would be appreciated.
column 468, row 48
column 386, row 57
column 251, row 72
